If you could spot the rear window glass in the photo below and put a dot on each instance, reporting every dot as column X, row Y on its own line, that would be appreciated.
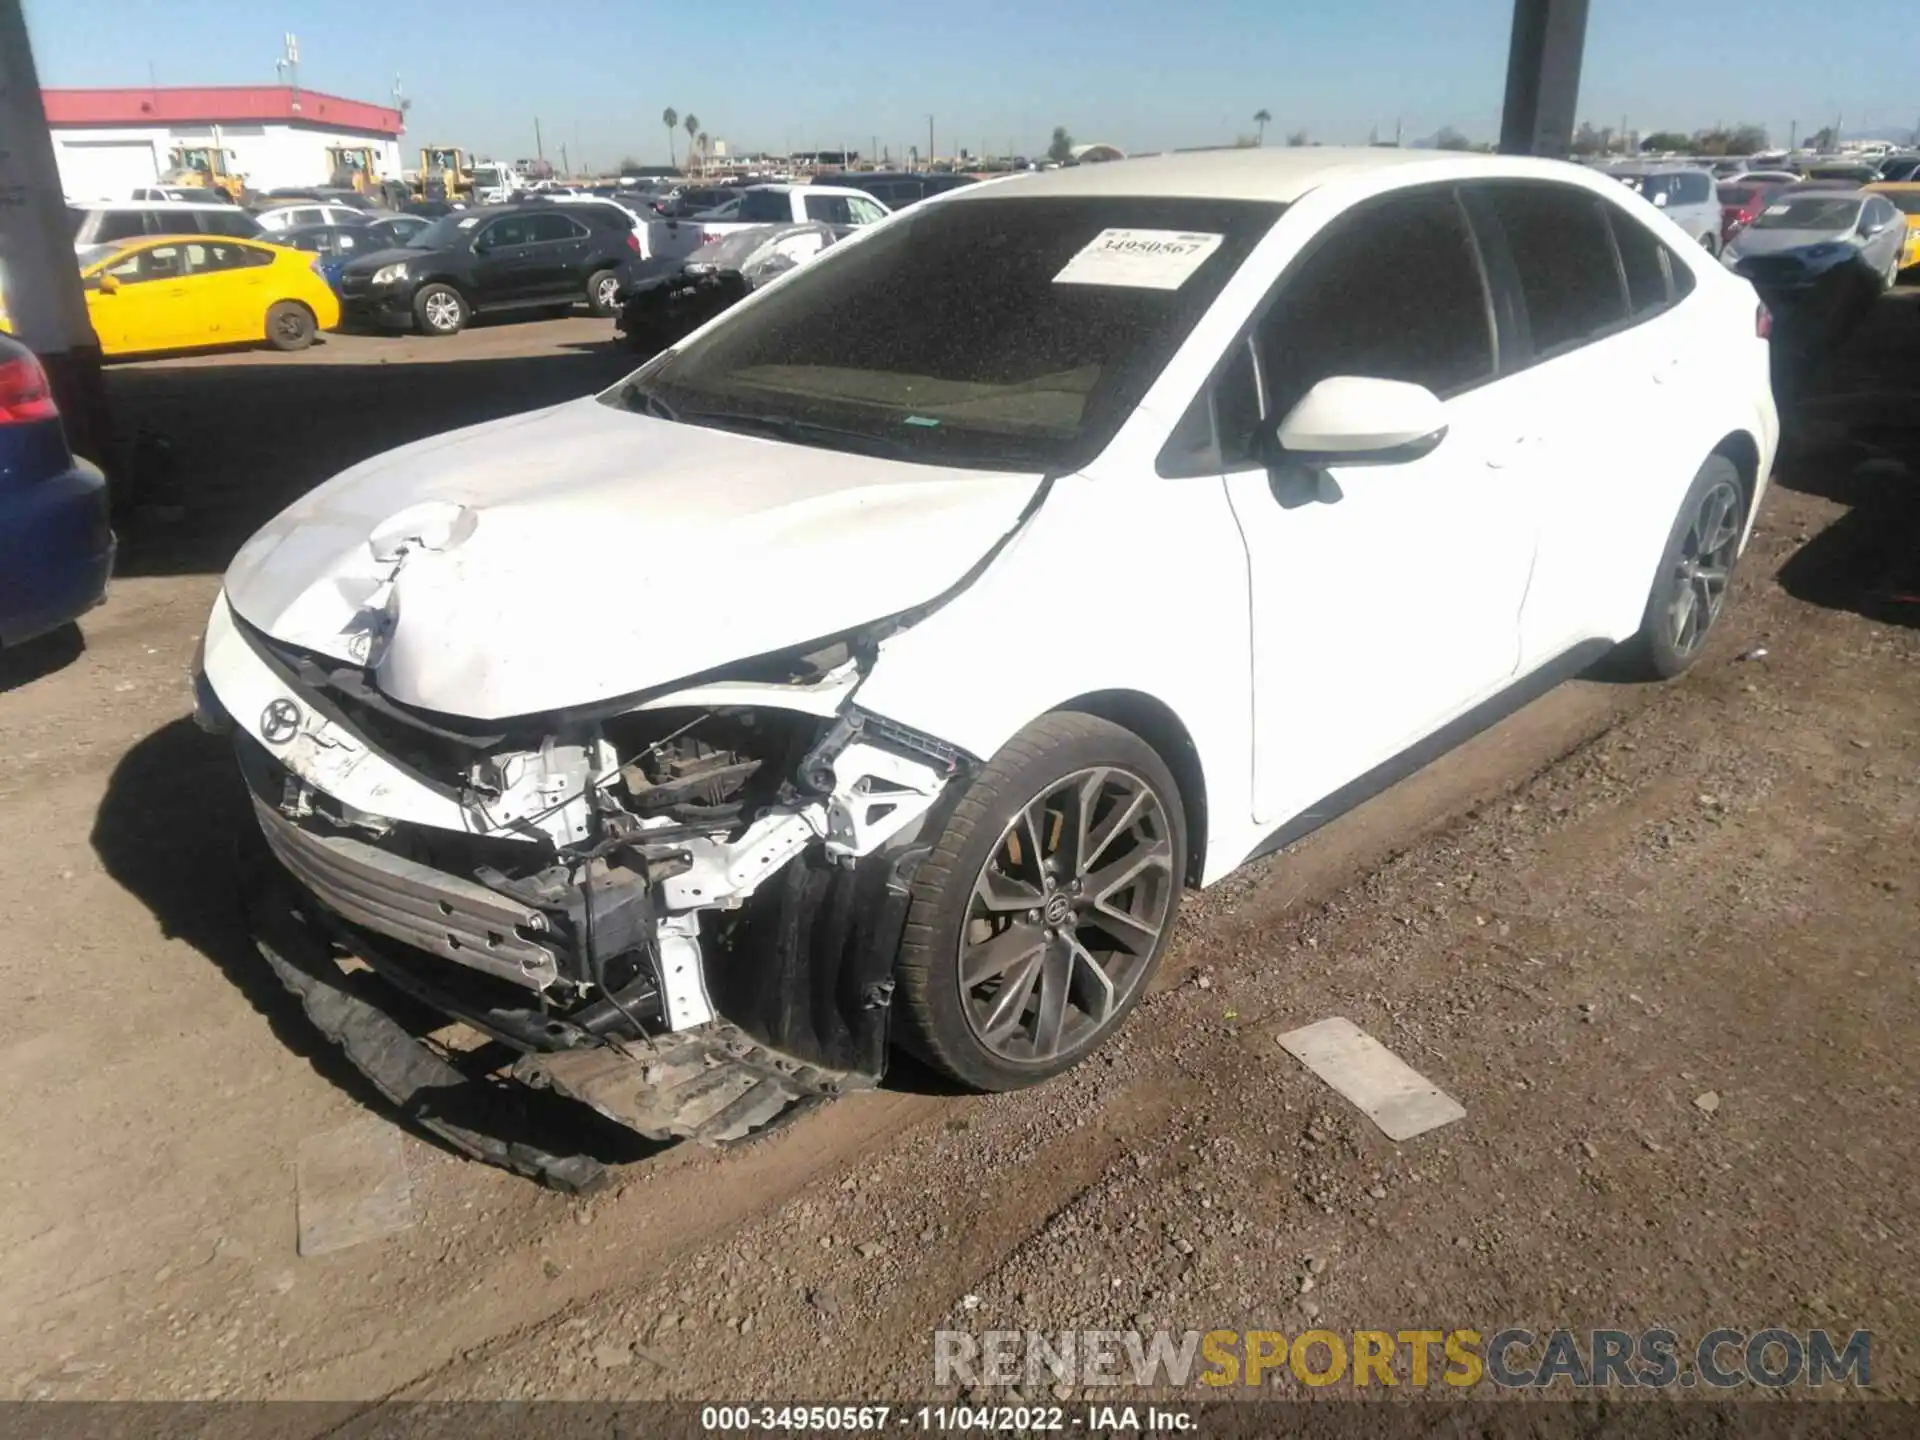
column 1558, row 237
column 760, row 206
column 1809, row 214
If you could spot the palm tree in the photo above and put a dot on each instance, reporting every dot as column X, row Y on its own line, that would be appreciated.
column 1263, row 117
column 705, row 148
column 670, row 118
column 692, row 126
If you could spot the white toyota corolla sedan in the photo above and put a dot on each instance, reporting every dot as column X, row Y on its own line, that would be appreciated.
column 879, row 665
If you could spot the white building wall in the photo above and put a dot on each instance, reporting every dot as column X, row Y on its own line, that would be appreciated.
column 98, row 163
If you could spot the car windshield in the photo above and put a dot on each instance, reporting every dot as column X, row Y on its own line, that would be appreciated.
column 1907, row 201
column 999, row 334
column 1828, row 214
column 447, row 231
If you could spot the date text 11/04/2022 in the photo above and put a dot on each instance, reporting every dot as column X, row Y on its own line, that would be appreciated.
column 944, row 1419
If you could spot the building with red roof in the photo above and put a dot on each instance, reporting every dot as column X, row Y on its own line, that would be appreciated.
column 110, row 142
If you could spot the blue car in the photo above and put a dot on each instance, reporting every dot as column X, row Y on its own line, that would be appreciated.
column 56, row 538
column 337, row 244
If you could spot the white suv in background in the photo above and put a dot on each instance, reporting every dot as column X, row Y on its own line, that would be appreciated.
column 106, row 221
column 880, row 663
column 1685, row 192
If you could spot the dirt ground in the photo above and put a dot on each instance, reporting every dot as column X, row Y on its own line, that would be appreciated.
column 1621, row 902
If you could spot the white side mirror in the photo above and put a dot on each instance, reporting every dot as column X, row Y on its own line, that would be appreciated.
column 1358, row 420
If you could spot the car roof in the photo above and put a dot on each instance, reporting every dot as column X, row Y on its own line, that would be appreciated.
column 1884, row 186
column 1662, row 168
column 1256, row 173
column 162, row 205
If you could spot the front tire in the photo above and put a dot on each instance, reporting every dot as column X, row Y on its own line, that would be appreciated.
column 1044, row 908
column 290, row 326
column 603, row 291
column 1691, row 585
column 440, row 310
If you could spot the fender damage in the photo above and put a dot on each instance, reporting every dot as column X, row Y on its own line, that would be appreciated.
column 679, row 904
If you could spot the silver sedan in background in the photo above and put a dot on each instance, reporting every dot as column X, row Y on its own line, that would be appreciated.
column 1801, row 239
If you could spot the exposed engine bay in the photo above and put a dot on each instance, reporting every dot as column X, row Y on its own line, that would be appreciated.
column 704, row 889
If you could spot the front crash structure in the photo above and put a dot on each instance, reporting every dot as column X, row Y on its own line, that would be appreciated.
column 684, row 913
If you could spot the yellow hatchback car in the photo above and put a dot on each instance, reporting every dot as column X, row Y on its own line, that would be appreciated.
column 1906, row 195
column 180, row 292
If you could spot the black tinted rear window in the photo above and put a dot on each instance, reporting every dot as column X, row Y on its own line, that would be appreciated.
column 1558, row 237
column 762, row 206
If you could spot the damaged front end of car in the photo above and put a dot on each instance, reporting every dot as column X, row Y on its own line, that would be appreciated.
column 682, row 909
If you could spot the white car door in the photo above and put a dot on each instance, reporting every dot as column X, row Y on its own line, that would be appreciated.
column 1385, row 598
column 1606, row 369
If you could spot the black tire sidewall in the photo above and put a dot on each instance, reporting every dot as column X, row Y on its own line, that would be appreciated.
column 1655, row 645
column 420, row 309
column 934, row 1025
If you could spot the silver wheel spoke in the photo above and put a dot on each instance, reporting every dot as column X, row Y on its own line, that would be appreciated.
column 1000, row 954
column 1093, row 989
column 1102, row 883
column 1001, row 893
column 1111, row 827
column 1056, row 978
column 1682, row 613
column 1010, row 1002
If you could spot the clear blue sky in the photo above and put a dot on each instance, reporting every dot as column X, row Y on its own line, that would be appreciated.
column 1141, row 74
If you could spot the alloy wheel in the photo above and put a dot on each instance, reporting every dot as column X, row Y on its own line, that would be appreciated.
column 1066, row 915
column 608, row 289
column 1706, row 559
column 443, row 312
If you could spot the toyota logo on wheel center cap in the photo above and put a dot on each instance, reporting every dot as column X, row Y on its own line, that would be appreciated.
column 279, row 722
column 1059, row 908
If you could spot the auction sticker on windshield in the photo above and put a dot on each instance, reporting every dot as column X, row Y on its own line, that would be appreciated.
column 1139, row 259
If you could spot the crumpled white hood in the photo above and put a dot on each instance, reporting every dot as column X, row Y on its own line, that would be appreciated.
column 582, row 552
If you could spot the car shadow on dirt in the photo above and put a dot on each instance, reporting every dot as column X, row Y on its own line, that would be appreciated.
column 24, row 663
column 210, row 453
column 177, row 831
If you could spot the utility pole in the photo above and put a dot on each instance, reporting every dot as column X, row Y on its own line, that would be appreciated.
column 1793, row 135
column 539, row 152
column 931, row 152
column 43, row 285
column 566, row 170
column 43, row 292
column 1543, row 77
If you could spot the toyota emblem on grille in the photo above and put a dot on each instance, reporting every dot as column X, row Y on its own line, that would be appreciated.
column 279, row 722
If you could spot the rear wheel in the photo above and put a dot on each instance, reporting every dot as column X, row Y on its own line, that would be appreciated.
column 1045, row 906
column 1695, row 568
column 290, row 326
column 602, row 292
column 441, row 310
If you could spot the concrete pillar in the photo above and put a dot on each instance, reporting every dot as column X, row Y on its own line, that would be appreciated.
column 1543, row 77
column 36, row 248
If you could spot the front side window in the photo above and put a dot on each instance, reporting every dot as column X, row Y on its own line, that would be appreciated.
column 950, row 336
column 1392, row 292
column 155, row 262
column 864, row 211
column 509, row 230
column 1564, row 256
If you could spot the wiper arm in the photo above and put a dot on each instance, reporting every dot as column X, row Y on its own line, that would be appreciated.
column 635, row 396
